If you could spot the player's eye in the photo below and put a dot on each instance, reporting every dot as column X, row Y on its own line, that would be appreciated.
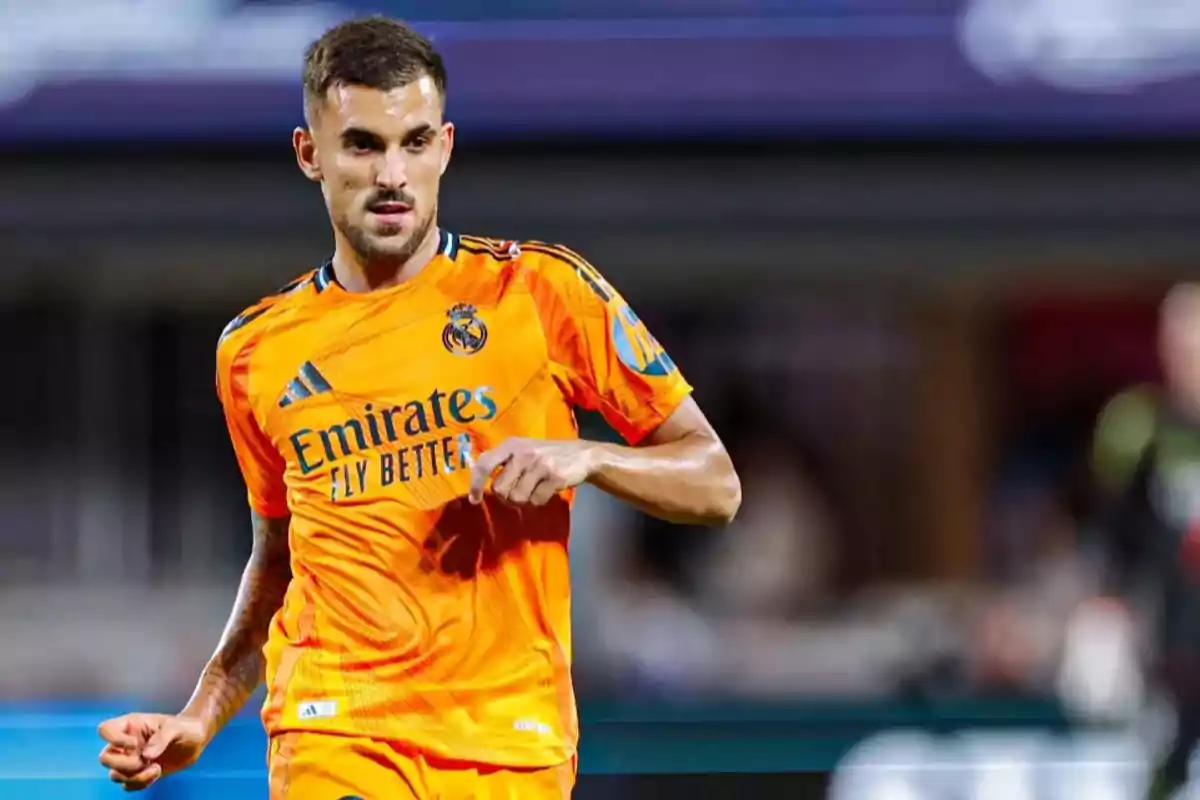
column 360, row 144
column 419, row 143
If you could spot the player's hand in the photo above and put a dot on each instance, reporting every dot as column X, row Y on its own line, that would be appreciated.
column 141, row 748
column 531, row 471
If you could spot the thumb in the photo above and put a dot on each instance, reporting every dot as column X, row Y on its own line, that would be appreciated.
column 163, row 738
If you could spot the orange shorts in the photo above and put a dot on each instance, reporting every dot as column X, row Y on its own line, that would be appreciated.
column 317, row 766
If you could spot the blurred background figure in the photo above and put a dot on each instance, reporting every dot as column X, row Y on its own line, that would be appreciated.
column 917, row 257
column 1146, row 458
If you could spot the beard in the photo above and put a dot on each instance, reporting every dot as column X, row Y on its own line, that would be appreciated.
column 386, row 251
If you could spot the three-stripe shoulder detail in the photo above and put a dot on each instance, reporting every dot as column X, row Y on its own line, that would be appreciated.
column 508, row 250
column 499, row 249
column 576, row 262
column 265, row 304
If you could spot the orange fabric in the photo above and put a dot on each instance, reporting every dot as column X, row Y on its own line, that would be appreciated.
column 314, row 766
column 414, row 616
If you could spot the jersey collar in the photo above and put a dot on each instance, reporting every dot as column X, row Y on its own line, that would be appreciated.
column 447, row 246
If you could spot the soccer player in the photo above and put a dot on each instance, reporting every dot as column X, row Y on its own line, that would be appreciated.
column 1147, row 459
column 403, row 419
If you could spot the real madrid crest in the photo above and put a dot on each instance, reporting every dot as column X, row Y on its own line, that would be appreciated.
column 465, row 334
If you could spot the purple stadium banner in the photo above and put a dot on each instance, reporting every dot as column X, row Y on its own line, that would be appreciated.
column 206, row 70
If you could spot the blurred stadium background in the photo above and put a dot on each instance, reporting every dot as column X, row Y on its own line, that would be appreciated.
column 905, row 249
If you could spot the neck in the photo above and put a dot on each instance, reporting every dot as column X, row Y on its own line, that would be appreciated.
column 356, row 273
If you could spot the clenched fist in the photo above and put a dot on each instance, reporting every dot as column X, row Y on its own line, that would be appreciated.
column 532, row 471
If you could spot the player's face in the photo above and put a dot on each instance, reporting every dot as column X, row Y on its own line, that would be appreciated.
column 379, row 156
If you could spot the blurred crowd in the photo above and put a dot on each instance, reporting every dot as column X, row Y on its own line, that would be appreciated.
column 825, row 586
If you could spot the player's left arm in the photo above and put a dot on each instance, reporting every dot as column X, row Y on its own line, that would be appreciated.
column 680, row 472
column 674, row 465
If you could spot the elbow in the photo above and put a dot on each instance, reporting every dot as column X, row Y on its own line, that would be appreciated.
column 731, row 498
column 725, row 497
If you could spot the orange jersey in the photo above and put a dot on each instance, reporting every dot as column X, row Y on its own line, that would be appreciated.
column 414, row 616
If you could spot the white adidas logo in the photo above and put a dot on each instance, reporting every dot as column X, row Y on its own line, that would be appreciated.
column 318, row 709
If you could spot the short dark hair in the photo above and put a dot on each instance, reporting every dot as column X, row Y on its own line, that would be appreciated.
column 376, row 52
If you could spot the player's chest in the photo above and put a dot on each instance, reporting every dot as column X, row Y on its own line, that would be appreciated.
column 402, row 371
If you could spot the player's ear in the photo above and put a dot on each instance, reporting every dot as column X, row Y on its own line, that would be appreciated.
column 306, row 153
column 447, row 144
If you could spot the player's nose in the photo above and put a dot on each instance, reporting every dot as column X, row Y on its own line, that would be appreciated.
column 393, row 171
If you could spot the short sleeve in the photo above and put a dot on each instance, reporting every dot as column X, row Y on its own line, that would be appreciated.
column 261, row 465
column 611, row 362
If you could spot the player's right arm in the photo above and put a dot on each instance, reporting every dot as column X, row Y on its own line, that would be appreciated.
column 236, row 668
column 140, row 748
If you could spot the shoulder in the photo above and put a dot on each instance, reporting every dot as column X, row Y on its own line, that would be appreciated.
column 1124, row 430
column 550, row 265
column 246, row 329
column 558, row 262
